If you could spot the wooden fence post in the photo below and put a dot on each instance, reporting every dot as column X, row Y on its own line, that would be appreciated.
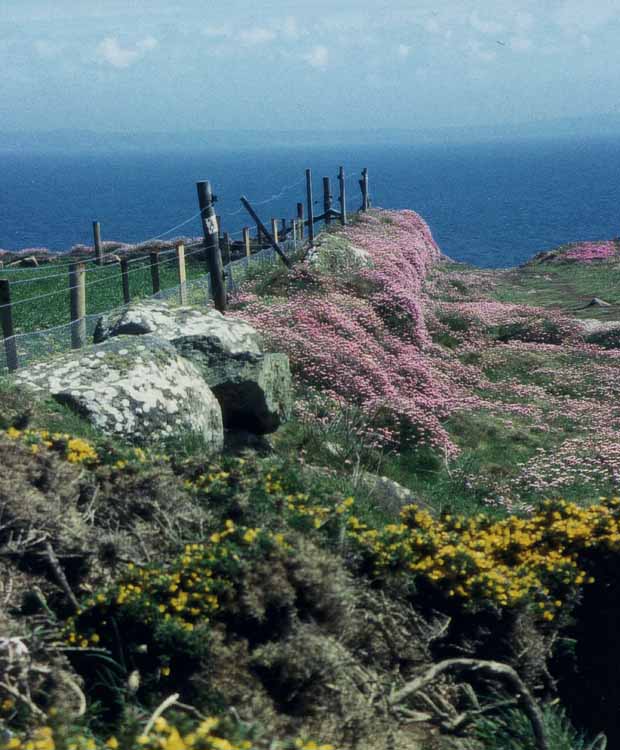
column 343, row 197
column 327, row 199
column 246, row 241
column 125, row 280
column 300, row 216
column 77, row 289
column 154, row 261
column 97, row 239
column 274, row 230
column 214, row 257
column 310, row 206
column 6, row 315
column 226, row 253
column 182, row 273
column 364, row 189
column 283, row 227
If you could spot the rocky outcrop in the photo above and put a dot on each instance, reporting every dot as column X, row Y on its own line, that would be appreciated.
column 254, row 389
column 139, row 389
column 228, row 334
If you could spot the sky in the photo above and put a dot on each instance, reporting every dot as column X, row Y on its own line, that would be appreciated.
column 140, row 66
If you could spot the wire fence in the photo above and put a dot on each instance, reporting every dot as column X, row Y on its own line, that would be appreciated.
column 41, row 293
column 39, row 345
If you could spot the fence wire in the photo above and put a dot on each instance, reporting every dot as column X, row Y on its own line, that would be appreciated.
column 36, row 346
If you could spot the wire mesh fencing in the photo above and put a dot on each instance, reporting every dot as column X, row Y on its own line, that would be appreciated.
column 36, row 346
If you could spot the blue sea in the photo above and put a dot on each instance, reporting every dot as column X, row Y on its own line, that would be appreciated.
column 492, row 204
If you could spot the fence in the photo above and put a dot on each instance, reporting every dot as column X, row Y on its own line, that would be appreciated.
column 227, row 260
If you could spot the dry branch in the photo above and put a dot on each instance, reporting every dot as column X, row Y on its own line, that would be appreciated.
column 60, row 576
column 495, row 669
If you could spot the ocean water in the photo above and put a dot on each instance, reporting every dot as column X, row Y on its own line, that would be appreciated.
column 493, row 205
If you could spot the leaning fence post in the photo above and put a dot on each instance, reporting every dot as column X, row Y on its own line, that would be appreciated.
column 264, row 230
column 327, row 199
column 154, row 261
column 182, row 273
column 300, row 216
column 77, row 288
column 97, row 240
column 310, row 206
column 343, row 197
column 6, row 315
column 125, row 280
column 212, row 245
column 246, row 241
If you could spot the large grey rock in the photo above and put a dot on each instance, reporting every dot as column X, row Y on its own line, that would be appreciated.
column 254, row 389
column 139, row 389
column 227, row 333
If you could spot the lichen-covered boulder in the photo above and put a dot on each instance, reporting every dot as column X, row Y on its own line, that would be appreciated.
column 138, row 388
column 254, row 389
column 227, row 333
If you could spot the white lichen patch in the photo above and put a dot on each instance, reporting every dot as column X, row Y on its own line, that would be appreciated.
column 229, row 334
column 140, row 392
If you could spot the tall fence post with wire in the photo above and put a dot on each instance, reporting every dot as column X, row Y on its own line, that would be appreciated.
column 145, row 269
column 182, row 273
column 327, row 200
column 97, row 243
column 212, row 245
column 310, row 202
column 8, row 331
column 343, row 197
column 77, row 289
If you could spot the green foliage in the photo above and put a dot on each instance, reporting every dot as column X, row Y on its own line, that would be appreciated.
column 512, row 730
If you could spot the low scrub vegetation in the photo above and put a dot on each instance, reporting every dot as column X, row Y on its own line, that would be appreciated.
column 437, row 524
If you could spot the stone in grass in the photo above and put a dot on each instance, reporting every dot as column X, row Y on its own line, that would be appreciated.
column 254, row 389
column 138, row 389
column 596, row 302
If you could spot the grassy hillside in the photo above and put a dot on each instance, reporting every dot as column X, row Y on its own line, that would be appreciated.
column 284, row 595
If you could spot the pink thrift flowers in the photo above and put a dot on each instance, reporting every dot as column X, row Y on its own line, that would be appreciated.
column 361, row 339
column 586, row 252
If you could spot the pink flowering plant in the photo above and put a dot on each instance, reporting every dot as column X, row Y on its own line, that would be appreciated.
column 586, row 252
column 414, row 353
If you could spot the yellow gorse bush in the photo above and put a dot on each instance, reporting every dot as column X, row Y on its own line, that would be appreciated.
column 75, row 450
column 185, row 593
column 163, row 736
column 540, row 560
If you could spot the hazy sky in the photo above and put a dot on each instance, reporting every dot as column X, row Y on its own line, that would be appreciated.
column 191, row 64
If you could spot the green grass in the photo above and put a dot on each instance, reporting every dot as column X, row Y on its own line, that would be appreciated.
column 564, row 286
column 103, row 290
column 511, row 730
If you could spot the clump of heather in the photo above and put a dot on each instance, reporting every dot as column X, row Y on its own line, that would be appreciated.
column 586, row 252
column 361, row 339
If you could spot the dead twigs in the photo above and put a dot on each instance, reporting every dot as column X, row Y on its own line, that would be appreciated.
column 494, row 669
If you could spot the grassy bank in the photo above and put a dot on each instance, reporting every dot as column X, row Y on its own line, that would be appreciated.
column 285, row 596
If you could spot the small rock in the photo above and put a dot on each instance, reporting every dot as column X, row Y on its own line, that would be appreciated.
column 596, row 302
